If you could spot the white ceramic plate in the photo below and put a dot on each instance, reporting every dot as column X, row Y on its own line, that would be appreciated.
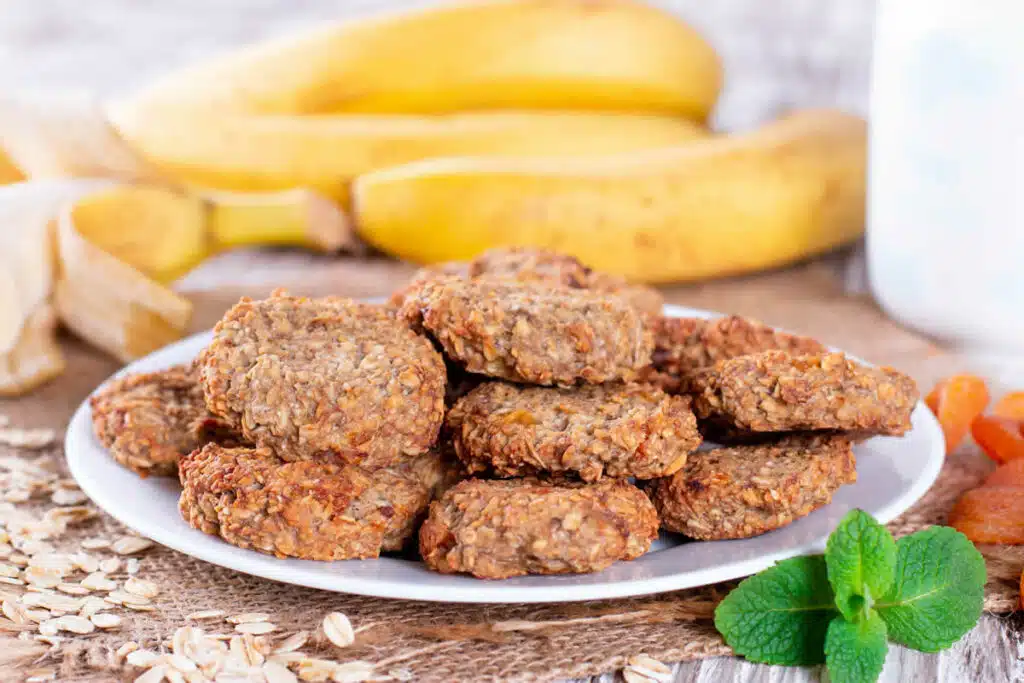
column 892, row 475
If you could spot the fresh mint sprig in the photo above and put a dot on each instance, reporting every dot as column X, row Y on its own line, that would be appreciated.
column 924, row 591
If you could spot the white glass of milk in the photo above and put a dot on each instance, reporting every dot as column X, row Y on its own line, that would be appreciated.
column 945, row 240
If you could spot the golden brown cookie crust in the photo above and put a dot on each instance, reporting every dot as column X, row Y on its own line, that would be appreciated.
column 325, row 379
column 745, row 491
column 532, row 333
column 541, row 266
column 149, row 420
column 774, row 391
column 311, row 510
column 593, row 431
column 503, row 528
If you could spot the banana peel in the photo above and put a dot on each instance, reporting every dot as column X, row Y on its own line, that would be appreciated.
column 604, row 55
column 96, row 255
column 9, row 171
column 164, row 232
column 324, row 153
column 721, row 206
column 29, row 355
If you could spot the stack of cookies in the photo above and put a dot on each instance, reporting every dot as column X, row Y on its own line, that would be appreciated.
column 551, row 414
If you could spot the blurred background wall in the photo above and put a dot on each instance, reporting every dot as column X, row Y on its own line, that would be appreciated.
column 778, row 53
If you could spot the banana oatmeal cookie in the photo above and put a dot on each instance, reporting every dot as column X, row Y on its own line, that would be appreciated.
column 324, row 379
column 745, row 491
column 532, row 333
column 683, row 346
column 311, row 510
column 594, row 431
column 531, row 264
column 149, row 420
column 504, row 528
column 775, row 391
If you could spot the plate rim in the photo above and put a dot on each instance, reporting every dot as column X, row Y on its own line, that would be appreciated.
column 253, row 563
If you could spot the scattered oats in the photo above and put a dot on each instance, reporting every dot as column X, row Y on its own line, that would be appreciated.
column 75, row 624
column 311, row 669
column 70, row 515
column 85, row 562
column 14, row 612
column 40, row 675
column 131, row 566
column 104, row 620
column 140, row 658
column 52, row 601
column 400, row 674
column 154, row 675
column 120, row 597
column 642, row 668
column 145, row 589
column 338, row 629
column 125, row 650
column 292, row 642
column 27, row 438
column 42, row 578
column 9, row 570
column 247, row 618
column 206, row 614
column 278, row 673
column 95, row 543
column 52, row 641
column 93, row 605
column 129, row 545
column 19, row 559
column 73, row 589
column 352, row 672
column 110, row 565
column 256, row 627
column 287, row 658
column 11, row 581
column 180, row 662
column 5, row 549
column 49, row 627
column 68, row 497
column 38, row 616
column 59, row 563
column 98, row 581
column 16, row 496
column 140, row 608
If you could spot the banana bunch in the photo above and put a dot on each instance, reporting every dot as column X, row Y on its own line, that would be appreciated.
column 431, row 134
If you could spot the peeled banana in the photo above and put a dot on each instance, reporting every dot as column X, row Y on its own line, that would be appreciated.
column 720, row 206
column 597, row 55
column 164, row 233
column 324, row 153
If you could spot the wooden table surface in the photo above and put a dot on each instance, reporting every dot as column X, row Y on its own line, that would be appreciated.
column 777, row 55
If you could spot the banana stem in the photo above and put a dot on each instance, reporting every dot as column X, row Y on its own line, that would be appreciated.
column 293, row 218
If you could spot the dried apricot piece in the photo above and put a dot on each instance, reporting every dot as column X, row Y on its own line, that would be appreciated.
column 1010, row 405
column 990, row 515
column 1010, row 474
column 1000, row 437
column 956, row 401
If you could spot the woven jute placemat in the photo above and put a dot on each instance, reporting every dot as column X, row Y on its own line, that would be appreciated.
column 438, row 641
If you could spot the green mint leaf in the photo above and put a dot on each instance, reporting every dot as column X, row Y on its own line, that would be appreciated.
column 861, row 559
column 780, row 615
column 938, row 592
column 855, row 650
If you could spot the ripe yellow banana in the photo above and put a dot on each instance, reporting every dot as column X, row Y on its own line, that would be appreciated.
column 9, row 172
column 324, row 153
column 607, row 55
column 715, row 207
column 164, row 233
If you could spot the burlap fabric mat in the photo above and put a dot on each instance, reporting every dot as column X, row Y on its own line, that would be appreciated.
column 441, row 642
